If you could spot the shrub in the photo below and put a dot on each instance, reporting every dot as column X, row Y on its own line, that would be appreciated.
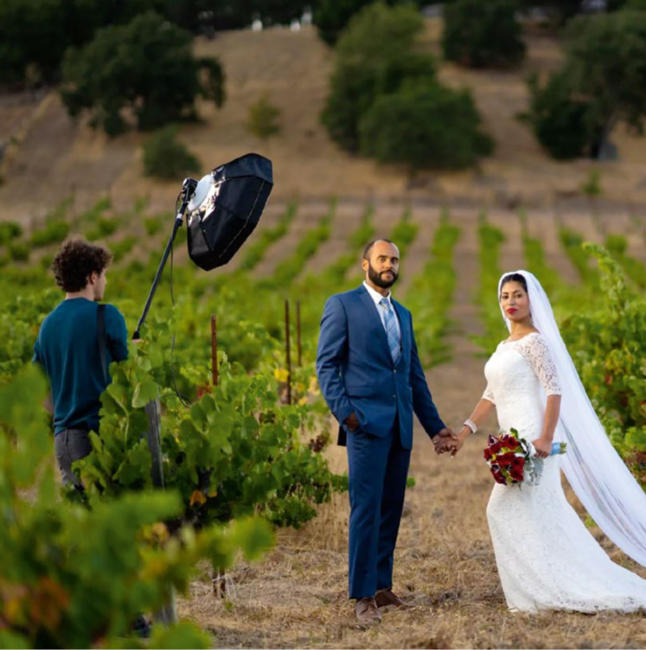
column 35, row 33
column 166, row 157
column 601, row 82
column 96, row 211
column 256, row 250
column 558, row 121
column 608, row 337
column 152, row 225
column 591, row 187
column 263, row 117
column 103, row 227
column 46, row 262
column 121, row 248
column 424, row 126
column 374, row 56
column 9, row 230
column 404, row 232
column 481, row 34
column 331, row 16
column 100, row 565
column 19, row 251
column 146, row 66
column 52, row 233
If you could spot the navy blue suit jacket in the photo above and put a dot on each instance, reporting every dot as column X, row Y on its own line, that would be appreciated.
column 356, row 372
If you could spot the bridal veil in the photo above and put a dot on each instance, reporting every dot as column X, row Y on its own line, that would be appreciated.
column 596, row 472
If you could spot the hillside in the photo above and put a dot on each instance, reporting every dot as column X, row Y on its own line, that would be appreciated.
column 49, row 157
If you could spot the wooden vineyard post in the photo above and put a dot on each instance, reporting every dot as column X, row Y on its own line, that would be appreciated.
column 154, row 441
column 217, row 577
column 214, row 350
column 299, row 347
column 288, row 359
column 168, row 613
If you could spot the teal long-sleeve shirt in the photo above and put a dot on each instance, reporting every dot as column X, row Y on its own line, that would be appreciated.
column 67, row 348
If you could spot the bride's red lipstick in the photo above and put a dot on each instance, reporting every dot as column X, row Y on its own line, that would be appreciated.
column 512, row 310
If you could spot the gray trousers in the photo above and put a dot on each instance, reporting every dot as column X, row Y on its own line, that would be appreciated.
column 71, row 445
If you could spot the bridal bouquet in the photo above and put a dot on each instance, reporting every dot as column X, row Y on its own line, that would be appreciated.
column 511, row 458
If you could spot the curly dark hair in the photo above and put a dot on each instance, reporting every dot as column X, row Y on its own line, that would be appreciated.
column 76, row 261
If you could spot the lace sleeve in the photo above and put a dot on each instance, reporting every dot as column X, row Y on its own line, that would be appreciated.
column 537, row 353
column 488, row 395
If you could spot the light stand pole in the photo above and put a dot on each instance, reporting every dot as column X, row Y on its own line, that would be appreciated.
column 188, row 188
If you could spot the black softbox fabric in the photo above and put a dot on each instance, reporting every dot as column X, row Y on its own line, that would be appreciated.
column 226, row 207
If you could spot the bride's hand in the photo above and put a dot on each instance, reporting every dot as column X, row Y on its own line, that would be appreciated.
column 465, row 432
column 543, row 447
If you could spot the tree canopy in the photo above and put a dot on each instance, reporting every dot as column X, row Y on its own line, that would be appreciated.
column 483, row 34
column 602, row 82
column 424, row 126
column 34, row 34
column 146, row 67
column 379, row 75
column 373, row 56
column 331, row 17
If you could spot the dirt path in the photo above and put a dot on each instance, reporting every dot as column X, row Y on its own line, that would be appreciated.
column 444, row 562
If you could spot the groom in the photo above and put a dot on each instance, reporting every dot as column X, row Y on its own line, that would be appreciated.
column 372, row 380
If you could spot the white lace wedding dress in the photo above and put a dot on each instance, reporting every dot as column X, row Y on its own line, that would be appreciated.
column 546, row 557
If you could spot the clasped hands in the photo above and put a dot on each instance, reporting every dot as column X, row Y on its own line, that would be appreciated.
column 445, row 440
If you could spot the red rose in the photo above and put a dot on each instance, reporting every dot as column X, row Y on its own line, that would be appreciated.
column 517, row 475
column 499, row 478
column 507, row 458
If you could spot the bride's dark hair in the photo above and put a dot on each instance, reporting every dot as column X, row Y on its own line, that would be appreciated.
column 514, row 277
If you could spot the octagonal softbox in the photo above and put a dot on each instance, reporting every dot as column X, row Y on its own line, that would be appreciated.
column 226, row 207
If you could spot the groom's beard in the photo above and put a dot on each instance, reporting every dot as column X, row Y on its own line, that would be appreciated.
column 383, row 282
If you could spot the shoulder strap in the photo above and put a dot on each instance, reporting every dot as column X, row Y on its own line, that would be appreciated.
column 101, row 339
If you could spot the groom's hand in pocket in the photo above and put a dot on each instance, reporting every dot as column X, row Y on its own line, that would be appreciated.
column 352, row 422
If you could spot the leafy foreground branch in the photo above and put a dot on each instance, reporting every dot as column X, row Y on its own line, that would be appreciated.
column 78, row 577
column 236, row 451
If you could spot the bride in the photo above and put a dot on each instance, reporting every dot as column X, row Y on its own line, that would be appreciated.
column 546, row 557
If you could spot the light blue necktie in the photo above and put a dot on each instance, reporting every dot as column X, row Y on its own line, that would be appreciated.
column 391, row 330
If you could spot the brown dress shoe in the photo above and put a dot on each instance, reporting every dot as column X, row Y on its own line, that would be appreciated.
column 365, row 609
column 385, row 597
